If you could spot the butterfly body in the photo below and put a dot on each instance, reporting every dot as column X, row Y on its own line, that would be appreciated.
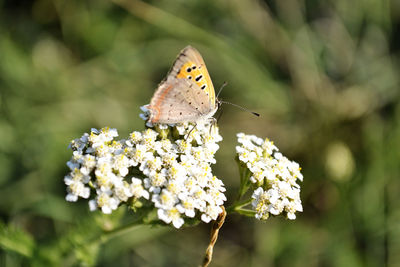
column 186, row 94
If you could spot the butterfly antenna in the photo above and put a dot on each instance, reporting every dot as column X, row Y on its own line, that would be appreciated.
column 240, row 107
column 222, row 87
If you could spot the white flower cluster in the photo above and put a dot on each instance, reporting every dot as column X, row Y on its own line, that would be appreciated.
column 174, row 174
column 274, row 176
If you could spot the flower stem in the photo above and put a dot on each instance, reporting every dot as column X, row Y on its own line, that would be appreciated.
column 107, row 235
column 145, row 219
column 244, row 179
column 118, row 231
column 214, row 236
column 238, row 205
column 246, row 212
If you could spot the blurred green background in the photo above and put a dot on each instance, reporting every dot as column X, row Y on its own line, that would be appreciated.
column 323, row 74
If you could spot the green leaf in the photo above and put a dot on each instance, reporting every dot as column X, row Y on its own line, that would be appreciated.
column 16, row 240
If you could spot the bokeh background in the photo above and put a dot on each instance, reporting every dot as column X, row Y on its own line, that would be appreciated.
column 324, row 75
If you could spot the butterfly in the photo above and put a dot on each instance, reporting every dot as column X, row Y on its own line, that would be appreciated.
column 186, row 94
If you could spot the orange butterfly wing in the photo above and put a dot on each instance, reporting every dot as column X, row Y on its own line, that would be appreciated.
column 179, row 100
column 187, row 93
column 190, row 65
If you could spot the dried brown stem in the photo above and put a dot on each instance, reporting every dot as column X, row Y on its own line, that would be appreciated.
column 214, row 236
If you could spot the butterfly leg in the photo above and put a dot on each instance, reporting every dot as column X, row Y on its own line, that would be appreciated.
column 194, row 126
column 213, row 124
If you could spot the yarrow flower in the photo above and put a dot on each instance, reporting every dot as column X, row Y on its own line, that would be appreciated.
column 166, row 166
column 273, row 176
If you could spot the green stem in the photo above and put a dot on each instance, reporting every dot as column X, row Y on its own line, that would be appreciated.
column 246, row 212
column 118, row 232
column 244, row 179
column 146, row 219
column 238, row 205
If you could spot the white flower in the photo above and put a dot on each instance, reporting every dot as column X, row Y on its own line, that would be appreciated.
column 137, row 189
column 93, row 205
column 166, row 200
column 136, row 137
column 98, row 138
column 275, row 176
column 173, row 215
column 80, row 143
column 138, row 154
column 121, row 164
column 173, row 174
column 183, row 146
column 187, row 205
column 182, row 128
column 122, row 190
column 107, row 203
column 211, row 213
column 156, row 180
column 76, row 185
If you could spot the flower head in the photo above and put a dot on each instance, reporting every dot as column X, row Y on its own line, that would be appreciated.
column 273, row 175
column 167, row 166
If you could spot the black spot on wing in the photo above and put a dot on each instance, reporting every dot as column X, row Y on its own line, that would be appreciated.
column 198, row 78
